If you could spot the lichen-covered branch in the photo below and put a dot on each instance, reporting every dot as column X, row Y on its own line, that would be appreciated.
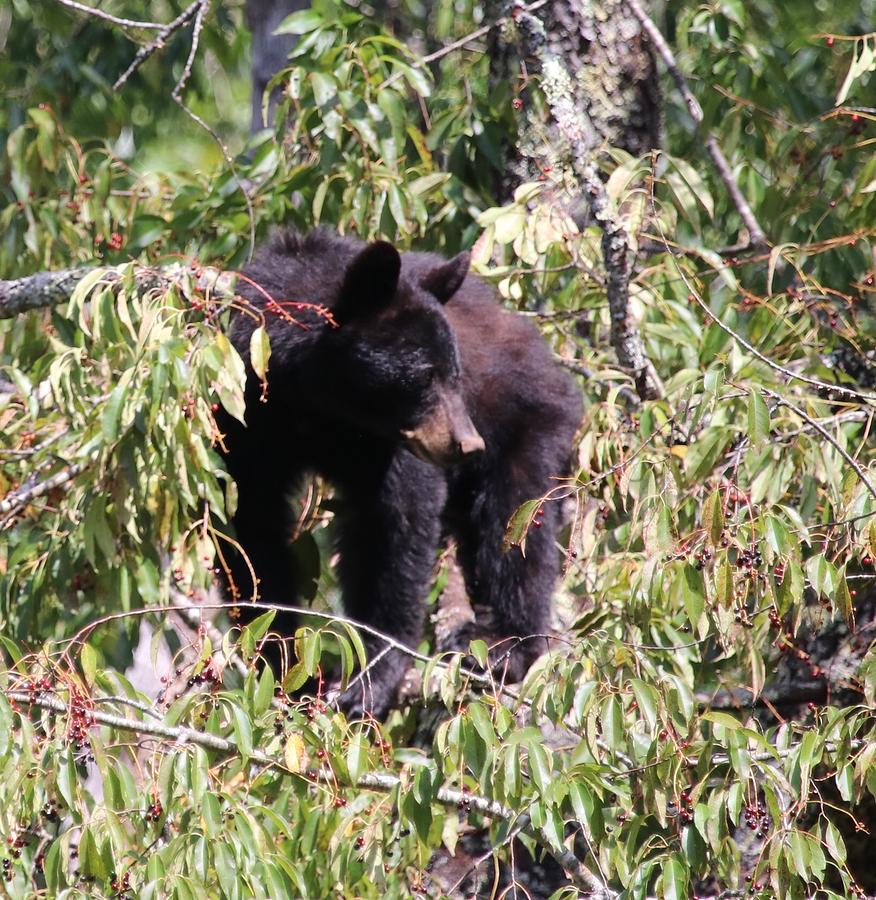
column 580, row 136
column 45, row 289
column 36, row 291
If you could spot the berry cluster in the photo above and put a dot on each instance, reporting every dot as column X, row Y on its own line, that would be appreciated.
column 750, row 560
column 37, row 686
column 50, row 811
column 757, row 819
column 684, row 808
column 154, row 813
column 314, row 707
column 208, row 675
column 81, row 720
column 15, row 843
column 121, row 885
column 702, row 557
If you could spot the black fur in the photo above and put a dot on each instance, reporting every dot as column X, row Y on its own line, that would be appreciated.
column 339, row 399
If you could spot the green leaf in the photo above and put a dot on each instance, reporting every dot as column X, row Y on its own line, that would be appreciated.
column 242, row 727
column 88, row 660
column 695, row 184
column 356, row 756
column 91, row 861
column 324, row 88
column 112, row 409
column 758, row 418
column 863, row 61
column 703, row 454
column 842, row 599
column 393, row 108
column 301, row 22
column 515, row 533
column 713, row 517
column 674, row 879
column 260, row 351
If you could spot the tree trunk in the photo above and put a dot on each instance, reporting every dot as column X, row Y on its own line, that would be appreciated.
column 270, row 51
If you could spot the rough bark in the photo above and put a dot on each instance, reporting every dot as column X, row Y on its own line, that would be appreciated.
column 613, row 82
column 581, row 140
column 44, row 289
column 36, row 291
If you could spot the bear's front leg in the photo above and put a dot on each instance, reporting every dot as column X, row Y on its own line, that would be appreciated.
column 509, row 589
column 390, row 528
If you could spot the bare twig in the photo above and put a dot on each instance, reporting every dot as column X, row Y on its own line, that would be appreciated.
column 100, row 14
column 755, row 232
column 580, row 135
column 193, row 617
column 203, row 8
column 160, row 39
column 693, row 293
column 460, row 43
column 837, row 389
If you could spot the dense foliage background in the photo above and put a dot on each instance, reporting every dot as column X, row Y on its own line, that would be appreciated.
column 705, row 721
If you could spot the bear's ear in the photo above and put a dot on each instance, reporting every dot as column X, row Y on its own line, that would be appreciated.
column 370, row 281
column 444, row 281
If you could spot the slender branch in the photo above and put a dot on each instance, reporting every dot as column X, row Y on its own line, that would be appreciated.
column 203, row 8
column 160, row 39
column 756, row 235
column 580, row 134
column 781, row 401
column 460, row 43
column 193, row 617
column 100, row 14
column 836, row 389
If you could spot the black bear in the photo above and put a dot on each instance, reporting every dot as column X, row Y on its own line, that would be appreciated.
column 430, row 410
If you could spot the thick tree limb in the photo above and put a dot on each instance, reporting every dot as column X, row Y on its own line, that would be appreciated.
column 44, row 289
column 39, row 290
column 578, row 131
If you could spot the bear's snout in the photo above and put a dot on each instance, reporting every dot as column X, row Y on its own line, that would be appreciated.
column 446, row 434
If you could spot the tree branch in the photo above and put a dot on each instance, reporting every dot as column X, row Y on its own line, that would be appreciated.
column 15, row 501
column 580, row 135
column 43, row 289
column 756, row 236
column 100, row 14
column 160, row 39
column 578, row 873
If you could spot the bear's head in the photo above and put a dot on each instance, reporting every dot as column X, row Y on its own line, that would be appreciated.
column 399, row 363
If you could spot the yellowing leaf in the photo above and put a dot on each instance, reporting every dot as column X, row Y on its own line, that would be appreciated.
column 295, row 753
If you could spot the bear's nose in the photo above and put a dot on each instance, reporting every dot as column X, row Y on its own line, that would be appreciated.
column 471, row 443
